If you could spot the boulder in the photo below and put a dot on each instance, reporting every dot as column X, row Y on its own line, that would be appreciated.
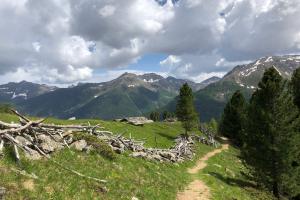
column 79, row 145
column 23, row 141
column 32, row 154
column 47, row 144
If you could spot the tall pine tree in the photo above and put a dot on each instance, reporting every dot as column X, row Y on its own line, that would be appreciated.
column 292, row 177
column 269, row 131
column 185, row 110
column 233, row 118
column 296, row 87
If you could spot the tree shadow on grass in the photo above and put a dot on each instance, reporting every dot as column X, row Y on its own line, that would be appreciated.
column 232, row 181
column 167, row 136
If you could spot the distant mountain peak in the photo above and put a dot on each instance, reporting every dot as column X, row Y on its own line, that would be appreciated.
column 23, row 90
column 248, row 75
column 211, row 80
column 127, row 74
column 151, row 77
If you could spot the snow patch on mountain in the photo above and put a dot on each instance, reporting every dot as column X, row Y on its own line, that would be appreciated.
column 269, row 59
column 24, row 95
column 249, row 71
column 150, row 80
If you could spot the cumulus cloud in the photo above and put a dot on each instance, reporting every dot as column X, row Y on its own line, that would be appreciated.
column 67, row 41
column 107, row 11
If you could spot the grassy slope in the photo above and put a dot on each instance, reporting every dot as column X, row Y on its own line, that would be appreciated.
column 126, row 176
column 227, row 178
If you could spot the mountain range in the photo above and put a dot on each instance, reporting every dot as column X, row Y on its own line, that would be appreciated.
column 135, row 95
column 127, row 95
column 211, row 100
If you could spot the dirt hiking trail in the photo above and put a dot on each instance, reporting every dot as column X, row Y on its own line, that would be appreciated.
column 197, row 190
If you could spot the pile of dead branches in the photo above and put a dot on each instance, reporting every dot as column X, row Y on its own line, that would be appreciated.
column 182, row 150
column 36, row 138
column 208, row 136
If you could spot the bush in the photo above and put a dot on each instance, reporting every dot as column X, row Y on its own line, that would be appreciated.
column 99, row 145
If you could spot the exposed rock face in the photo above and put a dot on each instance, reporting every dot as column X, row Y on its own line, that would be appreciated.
column 79, row 145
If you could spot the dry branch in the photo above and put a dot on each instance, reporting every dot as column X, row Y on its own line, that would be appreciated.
column 1, row 147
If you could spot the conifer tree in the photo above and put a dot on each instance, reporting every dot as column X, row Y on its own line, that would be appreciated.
column 233, row 118
column 213, row 124
column 185, row 110
column 296, row 87
column 166, row 115
column 292, row 178
column 154, row 116
column 269, row 132
column 288, row 147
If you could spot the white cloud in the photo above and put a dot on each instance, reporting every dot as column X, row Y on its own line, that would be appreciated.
column 75, row 50
column 201, row 37
column 203, row 76
column 107, row 11
column 223, row 62
column 69, row 75
column 170, row 61
column 48, row 75
column 37, row 46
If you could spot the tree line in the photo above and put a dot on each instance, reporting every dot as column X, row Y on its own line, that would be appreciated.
column 267, row 130
column 157, row 116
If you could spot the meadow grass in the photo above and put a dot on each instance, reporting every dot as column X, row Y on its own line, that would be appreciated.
column 228, row 178
column 127, row 177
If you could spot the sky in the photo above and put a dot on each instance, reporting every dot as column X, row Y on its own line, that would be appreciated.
column 63, row 42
